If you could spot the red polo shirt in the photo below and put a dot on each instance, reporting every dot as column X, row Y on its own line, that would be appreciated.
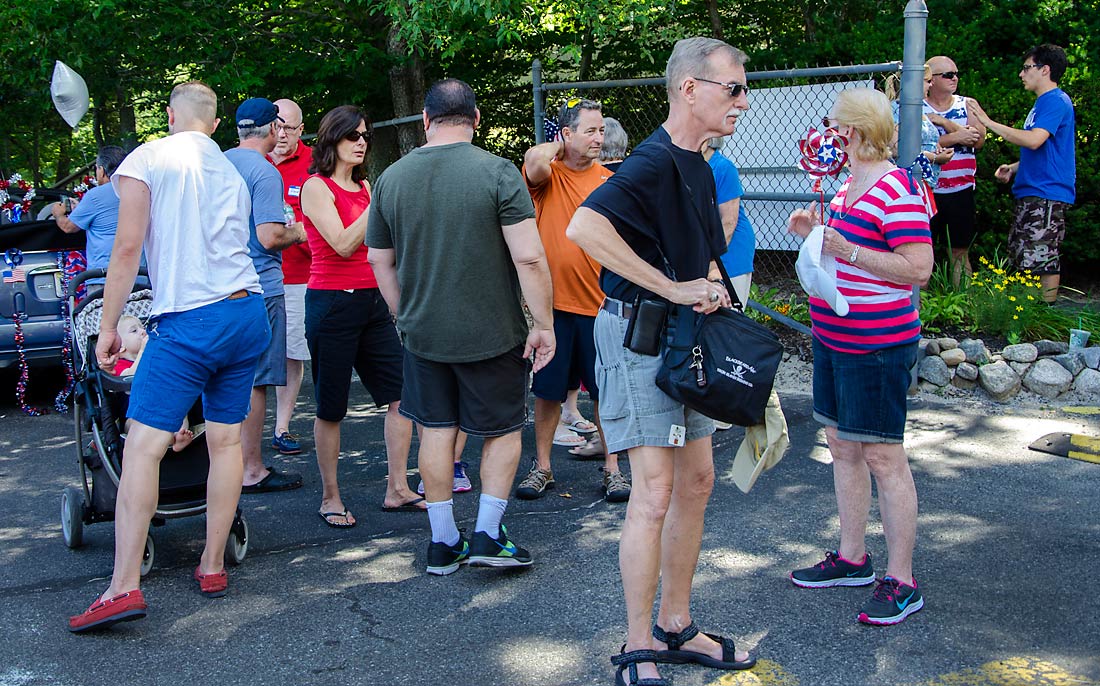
column 295, row 171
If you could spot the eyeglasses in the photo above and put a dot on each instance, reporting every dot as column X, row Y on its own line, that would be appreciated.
column 354, row 136
column 287, row 128
column 735, row 89
column 829, row 123
column 948, row 74
column 1032, row 66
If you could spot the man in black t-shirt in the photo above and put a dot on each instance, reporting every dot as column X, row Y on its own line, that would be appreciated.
column 654, row 226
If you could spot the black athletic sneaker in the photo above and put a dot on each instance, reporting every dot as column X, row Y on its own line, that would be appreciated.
column 443, row 559
column 834, row 570
column 496, row 552
column 891, row 602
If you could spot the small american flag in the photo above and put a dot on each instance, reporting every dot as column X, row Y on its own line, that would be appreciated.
column 16, row 275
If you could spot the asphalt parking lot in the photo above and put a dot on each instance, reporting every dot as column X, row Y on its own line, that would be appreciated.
column 1007, row 553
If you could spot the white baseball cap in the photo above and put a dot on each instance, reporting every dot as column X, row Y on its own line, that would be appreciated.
column 817, row 272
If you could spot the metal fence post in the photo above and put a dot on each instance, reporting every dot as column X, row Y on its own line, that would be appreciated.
column 540, row 101
column 912, row 98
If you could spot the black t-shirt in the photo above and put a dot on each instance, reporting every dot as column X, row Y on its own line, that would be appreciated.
column 650, row 205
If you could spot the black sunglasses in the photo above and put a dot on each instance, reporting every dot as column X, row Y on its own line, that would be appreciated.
column 1032, row 66
column 354, row 136
column 948, row 74
column 735, row 89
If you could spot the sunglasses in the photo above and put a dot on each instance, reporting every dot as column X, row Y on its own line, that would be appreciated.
column 354, row 136
column 948, row 74
column 829, row 123
column 735, row 89
column 1028, row 67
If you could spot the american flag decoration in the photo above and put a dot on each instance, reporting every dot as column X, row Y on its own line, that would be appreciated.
column 15, row 275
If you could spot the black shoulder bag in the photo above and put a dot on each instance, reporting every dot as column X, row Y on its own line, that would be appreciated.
column 721, row 364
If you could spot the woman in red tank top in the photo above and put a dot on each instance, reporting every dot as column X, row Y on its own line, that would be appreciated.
column 348, row 325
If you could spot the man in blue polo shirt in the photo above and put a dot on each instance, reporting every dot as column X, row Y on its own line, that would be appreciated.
column 1046, row 174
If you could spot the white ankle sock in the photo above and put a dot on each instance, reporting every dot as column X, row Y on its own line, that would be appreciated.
column 489, row 513
column 442, row 518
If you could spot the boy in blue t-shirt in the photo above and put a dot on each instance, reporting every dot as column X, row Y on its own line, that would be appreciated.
column 1046, row 174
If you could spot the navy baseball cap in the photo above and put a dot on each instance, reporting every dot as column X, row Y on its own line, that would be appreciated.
column 257, row 112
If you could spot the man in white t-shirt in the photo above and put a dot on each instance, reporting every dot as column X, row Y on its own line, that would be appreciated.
column 954, row 192
column 187, row 203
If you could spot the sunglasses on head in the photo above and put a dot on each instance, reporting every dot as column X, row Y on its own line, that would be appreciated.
column 735, row 89
column 948, row 74
column 354, row 136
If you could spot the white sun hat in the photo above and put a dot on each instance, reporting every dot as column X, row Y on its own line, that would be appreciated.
column 817, row 272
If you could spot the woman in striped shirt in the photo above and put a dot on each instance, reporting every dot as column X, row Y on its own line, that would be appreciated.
column 877, row 229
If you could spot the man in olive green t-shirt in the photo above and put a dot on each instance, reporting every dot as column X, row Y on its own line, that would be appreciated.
column 454, row 245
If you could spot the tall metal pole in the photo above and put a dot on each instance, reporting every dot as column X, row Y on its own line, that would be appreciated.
column 540, row 101
column 912, row 98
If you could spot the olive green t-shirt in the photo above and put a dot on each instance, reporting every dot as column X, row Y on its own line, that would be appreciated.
column 441, row 209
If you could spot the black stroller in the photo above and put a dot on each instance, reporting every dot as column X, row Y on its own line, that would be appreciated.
column 100, row 400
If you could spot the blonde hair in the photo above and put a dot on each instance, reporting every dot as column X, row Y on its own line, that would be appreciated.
column 867, row 112
column 892, row 86
column 127, row 317
column 194, row 101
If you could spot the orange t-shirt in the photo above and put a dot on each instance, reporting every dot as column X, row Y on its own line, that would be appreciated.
column 575, row 275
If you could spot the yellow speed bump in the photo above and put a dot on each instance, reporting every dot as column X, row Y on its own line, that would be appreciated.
column 1074, row 446
column 1016, row 671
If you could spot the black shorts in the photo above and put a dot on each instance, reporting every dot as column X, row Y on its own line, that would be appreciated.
column 484, row 398
column 955, row 216
column 574, row 359
column 347, row 331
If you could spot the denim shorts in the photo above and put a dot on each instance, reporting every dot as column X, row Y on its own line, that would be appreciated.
column 863, row 395
column 633, row 411
column 209, row 351
column 271, row 367
column 574, row 359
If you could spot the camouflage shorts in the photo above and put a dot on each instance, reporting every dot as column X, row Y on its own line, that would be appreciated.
column 1037, row 234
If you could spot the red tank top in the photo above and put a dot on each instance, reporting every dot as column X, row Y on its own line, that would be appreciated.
column 330, row 271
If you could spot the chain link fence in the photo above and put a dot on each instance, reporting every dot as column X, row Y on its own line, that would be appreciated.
column 784, row 104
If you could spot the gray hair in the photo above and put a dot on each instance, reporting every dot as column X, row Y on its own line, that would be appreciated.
column 691, row 57
column 109, row 157
column 570, row 116
column 262, row 131
column 614, row 140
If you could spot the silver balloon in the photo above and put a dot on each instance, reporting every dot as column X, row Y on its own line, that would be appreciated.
column 69, row 93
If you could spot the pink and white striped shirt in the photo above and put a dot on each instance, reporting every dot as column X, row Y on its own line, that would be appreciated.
column 891, row 213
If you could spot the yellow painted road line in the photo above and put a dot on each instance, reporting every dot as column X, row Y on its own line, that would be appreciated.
column 1016, row 671
column 1082, row 410
column 765, row 673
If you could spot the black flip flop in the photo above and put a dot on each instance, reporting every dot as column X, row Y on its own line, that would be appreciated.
column 325, row 516
column 410, row 506
column 275, row 481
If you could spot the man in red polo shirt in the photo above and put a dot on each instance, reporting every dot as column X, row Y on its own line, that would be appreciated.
column 292, row 158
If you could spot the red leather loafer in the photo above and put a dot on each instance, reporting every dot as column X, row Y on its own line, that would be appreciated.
column 124, row 607
column 212, row 585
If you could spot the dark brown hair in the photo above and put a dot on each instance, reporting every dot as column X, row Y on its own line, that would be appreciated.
column 336, row 124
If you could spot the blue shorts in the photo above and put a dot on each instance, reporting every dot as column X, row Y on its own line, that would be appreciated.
column 574, row 359
column 271, row 367
column 633, row 411
column 863, row 395
column 211, row 352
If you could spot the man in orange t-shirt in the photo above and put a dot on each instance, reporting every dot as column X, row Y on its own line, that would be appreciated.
column 560, row 175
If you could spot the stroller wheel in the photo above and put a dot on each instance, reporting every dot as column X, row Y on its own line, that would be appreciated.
column 72, row 516
column 149, row 555
column 236, row 548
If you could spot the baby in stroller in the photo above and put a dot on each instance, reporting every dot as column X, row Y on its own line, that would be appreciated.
column 133, row 335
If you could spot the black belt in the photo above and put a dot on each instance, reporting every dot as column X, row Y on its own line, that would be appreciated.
column 617, row 308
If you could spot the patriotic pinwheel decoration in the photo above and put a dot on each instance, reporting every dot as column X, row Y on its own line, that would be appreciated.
column 822, row 155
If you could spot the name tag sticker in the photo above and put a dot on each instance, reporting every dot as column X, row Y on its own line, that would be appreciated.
column 294, row 191
column 676, row 435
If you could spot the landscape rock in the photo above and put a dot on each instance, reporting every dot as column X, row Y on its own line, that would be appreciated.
column 1088, row 383
column 1073, row 361
column 953, row 356
column 1048, row 378
column 964, row 384
column 966, row 371
column 1021, row 352
column 1049, row 347
column 947, row 343
column 933, row 348
column 934, row 370
column 1020, row 367
column 1092, row 357
column 976, row 352
column 999, row 381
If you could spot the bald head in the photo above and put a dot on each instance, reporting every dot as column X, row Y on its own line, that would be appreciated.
column 289, row 111
column 193, row 106
column 941, row 87
column 289, row 132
